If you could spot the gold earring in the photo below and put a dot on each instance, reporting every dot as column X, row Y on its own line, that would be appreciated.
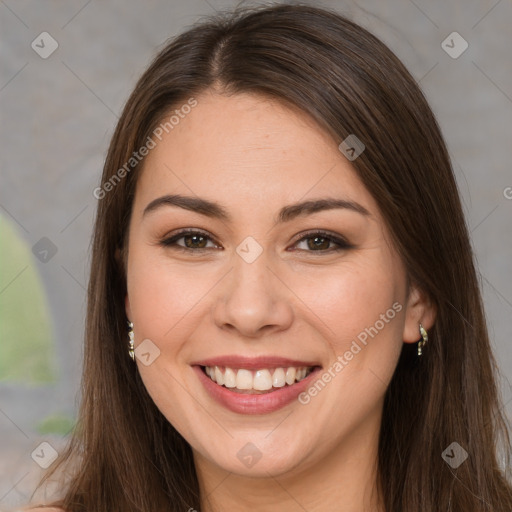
column 131, row 350
column 424, row 339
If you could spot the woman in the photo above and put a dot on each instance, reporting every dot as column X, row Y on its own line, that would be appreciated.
column 283, row 309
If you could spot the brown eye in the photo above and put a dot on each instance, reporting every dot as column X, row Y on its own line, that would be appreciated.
column 192, row 241
column 318, row 242
column 322, row 242
column 195, row 241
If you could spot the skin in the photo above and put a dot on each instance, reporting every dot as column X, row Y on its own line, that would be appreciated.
column 253, row 156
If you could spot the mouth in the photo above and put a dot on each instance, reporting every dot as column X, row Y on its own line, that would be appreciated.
column 261, row 381
column 258, row 385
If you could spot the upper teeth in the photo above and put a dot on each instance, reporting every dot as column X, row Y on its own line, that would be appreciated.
column 260, row 380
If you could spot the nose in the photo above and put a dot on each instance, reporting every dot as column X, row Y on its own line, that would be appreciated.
column 253, row 300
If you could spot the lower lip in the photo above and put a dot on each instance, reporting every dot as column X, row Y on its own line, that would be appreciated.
column 254, row 404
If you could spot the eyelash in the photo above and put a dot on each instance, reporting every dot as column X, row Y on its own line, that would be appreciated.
column 171, row 241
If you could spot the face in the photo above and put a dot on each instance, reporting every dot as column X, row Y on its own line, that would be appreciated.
column 298, row 312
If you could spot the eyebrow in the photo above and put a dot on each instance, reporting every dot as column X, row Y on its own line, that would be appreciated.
column 286, row 214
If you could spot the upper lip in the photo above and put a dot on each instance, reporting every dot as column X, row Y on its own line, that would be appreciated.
column 254, row 363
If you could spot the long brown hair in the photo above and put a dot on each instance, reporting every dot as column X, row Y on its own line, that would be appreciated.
column 124, row 455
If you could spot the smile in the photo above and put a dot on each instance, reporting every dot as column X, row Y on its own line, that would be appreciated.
column 259, row 381
column 259, row 385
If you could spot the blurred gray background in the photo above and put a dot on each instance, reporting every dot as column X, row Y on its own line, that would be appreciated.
column 58, row 111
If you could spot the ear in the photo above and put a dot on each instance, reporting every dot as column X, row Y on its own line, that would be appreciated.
column 419, row 310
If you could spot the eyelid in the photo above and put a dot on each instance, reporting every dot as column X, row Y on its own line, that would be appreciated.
column 322, row 232
column 339, row 240
column 170, row 240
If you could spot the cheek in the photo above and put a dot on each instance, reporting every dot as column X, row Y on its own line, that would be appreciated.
column 166, row 304
column 355, row 299
column 363, row 307
column 164, row 296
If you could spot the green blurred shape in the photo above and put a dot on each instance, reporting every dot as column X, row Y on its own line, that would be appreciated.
column 27, row 353
column 59, row 424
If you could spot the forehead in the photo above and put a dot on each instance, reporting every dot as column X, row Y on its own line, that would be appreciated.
column 248, row 148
